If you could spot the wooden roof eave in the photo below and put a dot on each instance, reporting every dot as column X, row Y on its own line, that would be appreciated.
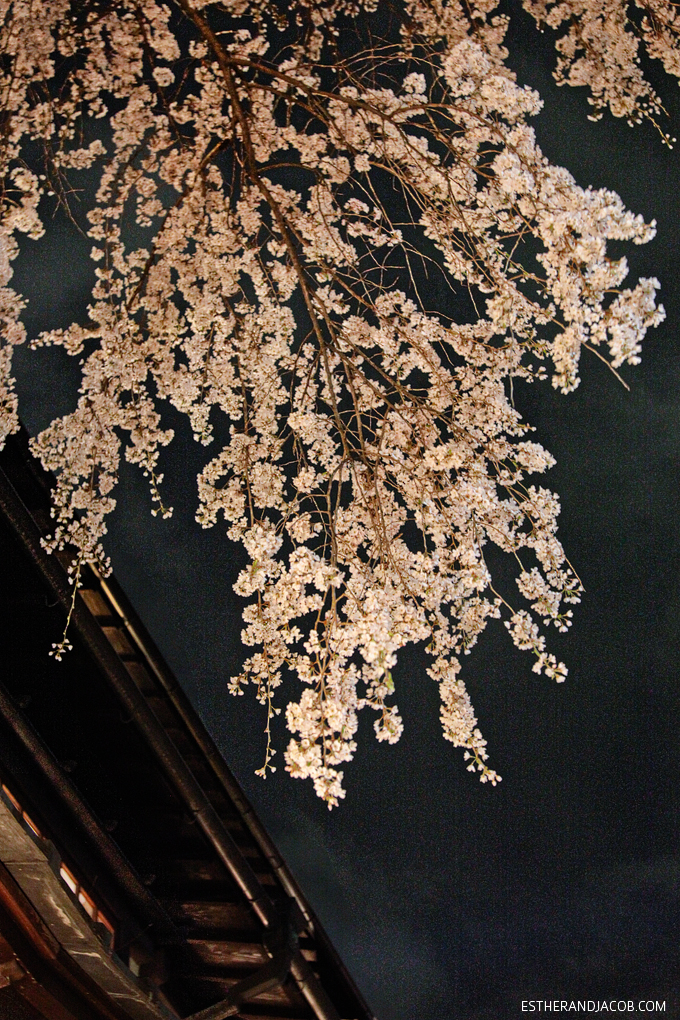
column 171, row 760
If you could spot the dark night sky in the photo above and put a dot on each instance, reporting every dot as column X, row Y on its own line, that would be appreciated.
column 448, row 899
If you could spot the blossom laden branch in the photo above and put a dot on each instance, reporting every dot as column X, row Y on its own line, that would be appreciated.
column 273, row 191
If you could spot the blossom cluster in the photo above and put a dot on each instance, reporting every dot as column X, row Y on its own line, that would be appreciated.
column 599, row 48
column 267, row 217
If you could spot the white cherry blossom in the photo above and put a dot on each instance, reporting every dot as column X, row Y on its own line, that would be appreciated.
column 273, row 192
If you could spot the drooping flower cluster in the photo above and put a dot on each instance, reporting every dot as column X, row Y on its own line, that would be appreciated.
column 599, row 47
column 285, row 221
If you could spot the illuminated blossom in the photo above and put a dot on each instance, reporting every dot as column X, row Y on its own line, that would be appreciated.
column 269, row 210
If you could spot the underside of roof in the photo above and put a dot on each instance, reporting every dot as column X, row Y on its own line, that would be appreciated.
column 126, row 846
